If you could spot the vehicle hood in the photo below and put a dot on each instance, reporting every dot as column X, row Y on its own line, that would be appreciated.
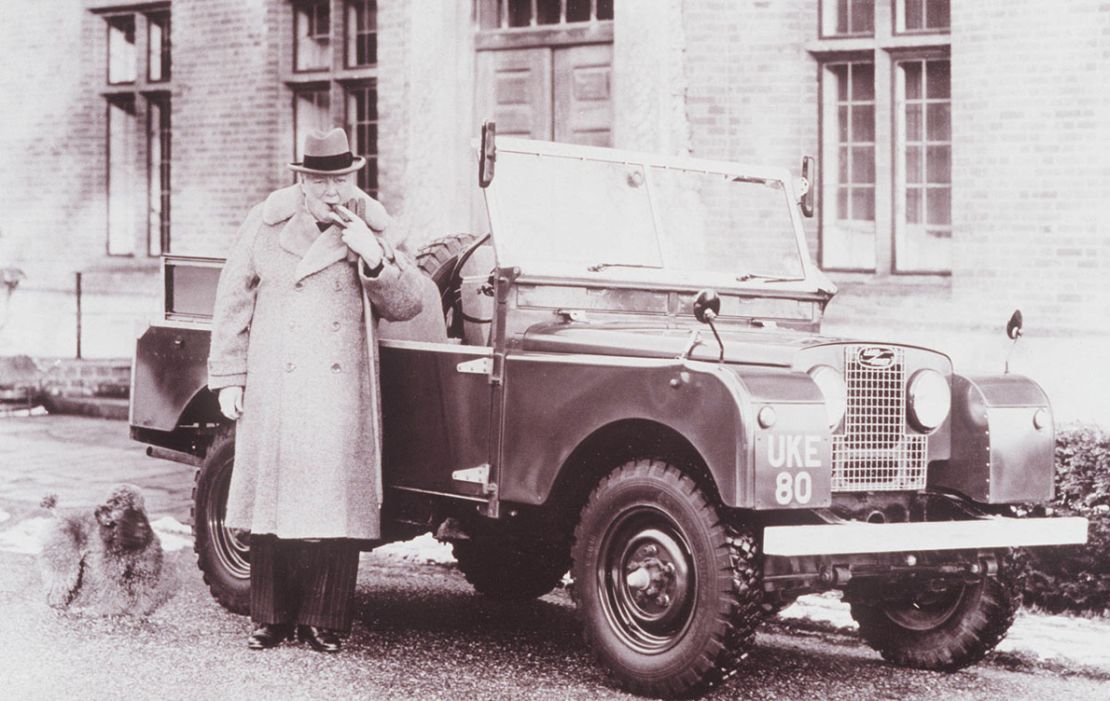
column 749, row 346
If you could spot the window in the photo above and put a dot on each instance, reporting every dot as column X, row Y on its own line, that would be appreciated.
column 138, row 139
column 922, row 15
column 505, row 14
column 362, row 33
column 312, row 36
column 158, row 47
column 362, row 125
column 121, row 49
column 847, row 17
column 886, row 142
column 342, row 92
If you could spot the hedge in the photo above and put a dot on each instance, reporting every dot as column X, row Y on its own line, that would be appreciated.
column 1075, row 578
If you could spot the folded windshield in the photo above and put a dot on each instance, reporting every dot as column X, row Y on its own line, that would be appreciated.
column 568, row 214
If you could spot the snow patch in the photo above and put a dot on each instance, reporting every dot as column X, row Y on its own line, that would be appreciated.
column 25, row 537
column 173, row 534
column 421, row 549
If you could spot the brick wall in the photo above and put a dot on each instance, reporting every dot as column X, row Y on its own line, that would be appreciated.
column 1031, row 173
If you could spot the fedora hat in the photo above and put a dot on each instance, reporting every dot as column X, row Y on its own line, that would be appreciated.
column 328, row 153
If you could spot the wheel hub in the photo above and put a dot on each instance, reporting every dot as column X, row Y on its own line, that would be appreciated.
column 648, row 579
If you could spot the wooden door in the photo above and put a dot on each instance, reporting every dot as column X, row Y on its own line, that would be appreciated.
column 583, row 103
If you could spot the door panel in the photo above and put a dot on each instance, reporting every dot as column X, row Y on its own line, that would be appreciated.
column 435, row 419
column 514, row 89
column 583, row 101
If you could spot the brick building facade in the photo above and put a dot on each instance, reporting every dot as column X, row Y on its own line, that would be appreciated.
column 965, row 146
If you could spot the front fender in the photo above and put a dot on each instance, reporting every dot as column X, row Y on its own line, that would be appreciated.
column 999, row 455
column 170, row 370
column 555, row 402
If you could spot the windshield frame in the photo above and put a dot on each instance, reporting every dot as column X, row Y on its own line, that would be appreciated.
column 810, row 276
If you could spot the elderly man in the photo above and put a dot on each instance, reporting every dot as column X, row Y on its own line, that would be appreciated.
column 293, row 358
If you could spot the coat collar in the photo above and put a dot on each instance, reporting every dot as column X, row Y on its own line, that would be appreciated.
column 300, row 235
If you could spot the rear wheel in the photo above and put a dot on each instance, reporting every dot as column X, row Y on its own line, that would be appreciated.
column 223, row 554
column 668, row 590
column 440, row 260
column 508, row 570
column 942, row 630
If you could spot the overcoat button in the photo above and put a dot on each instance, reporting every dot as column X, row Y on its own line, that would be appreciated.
column 298, row 286
column 335, row 367
column 290, row 367
column 335, row 326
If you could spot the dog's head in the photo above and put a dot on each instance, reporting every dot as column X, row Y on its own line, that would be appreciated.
column 122, row 520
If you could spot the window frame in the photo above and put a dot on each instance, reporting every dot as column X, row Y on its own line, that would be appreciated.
column 351, row 35
column 299, row 6
column 898, row 28
column 828, row 9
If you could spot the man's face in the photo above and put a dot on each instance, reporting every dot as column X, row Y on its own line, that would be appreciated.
column 324, row 191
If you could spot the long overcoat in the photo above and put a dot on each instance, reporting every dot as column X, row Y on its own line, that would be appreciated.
column 289, row 326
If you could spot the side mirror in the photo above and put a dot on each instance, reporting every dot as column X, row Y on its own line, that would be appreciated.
column 487, row 157
column 809, row 185
column 1013, row 326
column 707, row 305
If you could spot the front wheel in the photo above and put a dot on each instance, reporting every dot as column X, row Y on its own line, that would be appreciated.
column 942, row 630
column 668, row 590
column 223, row 554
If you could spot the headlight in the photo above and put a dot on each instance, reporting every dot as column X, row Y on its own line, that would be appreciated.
column 929, row 398
column 833, row 389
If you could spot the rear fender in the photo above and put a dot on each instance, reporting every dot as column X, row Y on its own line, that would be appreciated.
column 169, row 375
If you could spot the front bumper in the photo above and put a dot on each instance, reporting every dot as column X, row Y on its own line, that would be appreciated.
column 852, row 537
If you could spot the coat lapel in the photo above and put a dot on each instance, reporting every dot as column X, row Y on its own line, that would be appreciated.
column 299, row 234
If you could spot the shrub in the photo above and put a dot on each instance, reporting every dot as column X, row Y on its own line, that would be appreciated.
column 1076, row 578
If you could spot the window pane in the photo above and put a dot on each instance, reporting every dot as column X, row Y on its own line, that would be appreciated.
column 912, row 14
column 841, row 16
column 121, row 176
column 938, row 14
column 311, row 111
column 938, row 202
column 122, row 60
column 863, row 82
column 840, row 76
column 913, row 122
column 913, row 205
column 158, row 176
column 605, row 9
column 548, row 12
column 937, row 80
column 578, row 10
column 863, row 203
column 362, row 128
column 842, row 203
column 312, row 35
column 158, row 46
column 911, row 72
column 863, row 17
column 938, row 120
column 939, row 169
column 863, row 164
column 520, row 13
column 913, row 164
column 842, row 123
column 863, row 123
column 361, row 29
column 843, row 160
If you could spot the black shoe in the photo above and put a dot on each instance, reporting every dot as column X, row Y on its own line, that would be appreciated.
column 319, row 639
column 269, row 635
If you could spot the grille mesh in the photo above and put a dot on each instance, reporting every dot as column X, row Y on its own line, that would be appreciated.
column 874, row 453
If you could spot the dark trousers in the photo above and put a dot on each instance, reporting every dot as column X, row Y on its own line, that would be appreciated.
column 309, row 583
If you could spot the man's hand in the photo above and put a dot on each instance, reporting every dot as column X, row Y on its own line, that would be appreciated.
column 231, row 402
column 357, row 236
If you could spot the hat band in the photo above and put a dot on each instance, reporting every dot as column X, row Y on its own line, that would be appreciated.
column 336, row 162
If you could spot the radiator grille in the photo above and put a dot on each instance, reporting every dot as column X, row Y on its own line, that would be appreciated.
column 874, row 453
